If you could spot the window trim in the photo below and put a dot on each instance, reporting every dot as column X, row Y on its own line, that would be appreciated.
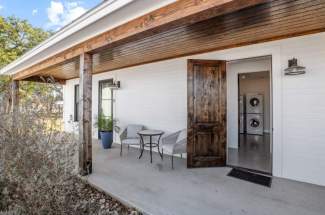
column 76, row 103
column 100, row 84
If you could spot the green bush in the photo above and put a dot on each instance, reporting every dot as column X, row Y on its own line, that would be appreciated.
column 104, row 123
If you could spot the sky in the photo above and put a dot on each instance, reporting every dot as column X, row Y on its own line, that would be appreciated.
column 46, row 14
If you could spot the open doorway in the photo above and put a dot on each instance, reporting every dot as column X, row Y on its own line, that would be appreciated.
column 253, row 149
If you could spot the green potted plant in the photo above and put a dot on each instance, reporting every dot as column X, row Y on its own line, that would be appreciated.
column 105, row 128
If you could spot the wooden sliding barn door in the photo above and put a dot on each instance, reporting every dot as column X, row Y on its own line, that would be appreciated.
column 207, row 126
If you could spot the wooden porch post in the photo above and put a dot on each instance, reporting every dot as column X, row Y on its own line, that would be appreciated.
column 85, row 114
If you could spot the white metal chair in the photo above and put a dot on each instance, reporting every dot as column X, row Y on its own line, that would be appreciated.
column 129, row 136
column 175, row 143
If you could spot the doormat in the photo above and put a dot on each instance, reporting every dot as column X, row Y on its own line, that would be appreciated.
column 251, row 177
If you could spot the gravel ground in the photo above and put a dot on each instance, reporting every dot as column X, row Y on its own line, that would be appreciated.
column 86, row 200
column 105, row 203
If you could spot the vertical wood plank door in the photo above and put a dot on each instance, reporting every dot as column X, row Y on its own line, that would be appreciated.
column 207, row 121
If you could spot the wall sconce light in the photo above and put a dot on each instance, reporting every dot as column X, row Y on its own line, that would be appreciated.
column 293, row 68
column 116, row 85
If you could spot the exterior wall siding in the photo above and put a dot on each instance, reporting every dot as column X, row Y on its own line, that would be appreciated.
column 155, row 95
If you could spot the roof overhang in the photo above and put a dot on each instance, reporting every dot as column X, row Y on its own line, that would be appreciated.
column 107, row 15
column 107, row 24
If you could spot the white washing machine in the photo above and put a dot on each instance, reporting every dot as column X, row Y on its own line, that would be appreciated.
column 242, row 123
column 255, row 103
column 255, row 124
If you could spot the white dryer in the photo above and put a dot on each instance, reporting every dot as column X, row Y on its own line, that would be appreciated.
column 255, row 103
column 255, row 124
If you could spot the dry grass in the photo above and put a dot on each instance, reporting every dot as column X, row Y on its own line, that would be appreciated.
column 38, row 162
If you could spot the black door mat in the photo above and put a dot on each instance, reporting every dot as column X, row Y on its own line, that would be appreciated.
column 251, row 177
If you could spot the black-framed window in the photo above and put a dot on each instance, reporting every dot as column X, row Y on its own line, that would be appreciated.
column 105, row 104
column 76, row 103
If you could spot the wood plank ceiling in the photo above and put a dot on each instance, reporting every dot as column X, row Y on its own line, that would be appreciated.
column 179, row 13
column 274, row 20
column 63, row 71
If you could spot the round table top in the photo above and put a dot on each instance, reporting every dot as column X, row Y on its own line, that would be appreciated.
column 150, row 132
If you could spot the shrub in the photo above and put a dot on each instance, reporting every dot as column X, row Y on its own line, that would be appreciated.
column 38, row 162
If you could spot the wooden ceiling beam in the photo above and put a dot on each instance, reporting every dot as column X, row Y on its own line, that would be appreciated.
column 182, row 12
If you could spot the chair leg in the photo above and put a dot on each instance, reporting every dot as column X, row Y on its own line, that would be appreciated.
column 162, row 153
column 181, row 155
column 172, row 161
column 121, row 150
column 128, row 147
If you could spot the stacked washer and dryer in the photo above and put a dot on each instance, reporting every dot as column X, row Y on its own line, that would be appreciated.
column 251, row 114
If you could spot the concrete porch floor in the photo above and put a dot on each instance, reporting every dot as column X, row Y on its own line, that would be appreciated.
column 158, row 190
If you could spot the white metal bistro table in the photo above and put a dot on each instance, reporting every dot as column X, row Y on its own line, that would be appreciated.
column 150, row 144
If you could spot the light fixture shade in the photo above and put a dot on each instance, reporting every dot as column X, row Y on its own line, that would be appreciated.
column 294, row 69
column 116, row 85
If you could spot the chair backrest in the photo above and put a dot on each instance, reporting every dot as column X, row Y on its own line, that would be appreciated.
column 182, row 135
column 133, row 129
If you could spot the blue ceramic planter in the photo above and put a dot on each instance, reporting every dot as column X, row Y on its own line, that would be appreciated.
column 107, row 139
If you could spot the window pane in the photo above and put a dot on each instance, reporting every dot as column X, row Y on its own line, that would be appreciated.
column 76, row 104
column 77, row 113
column 77, row 92
column 106, row 108
column 106, row 91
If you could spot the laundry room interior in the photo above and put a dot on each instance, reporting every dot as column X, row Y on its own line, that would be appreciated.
column 250, row 142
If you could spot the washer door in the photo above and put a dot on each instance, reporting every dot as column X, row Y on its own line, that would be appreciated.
column 255, row 103
column 255, row 124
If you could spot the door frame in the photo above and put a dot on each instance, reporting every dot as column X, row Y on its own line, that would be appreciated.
column 271, row 112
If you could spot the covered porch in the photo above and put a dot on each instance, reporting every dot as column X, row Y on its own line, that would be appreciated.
column 158, row 190
column 170, row 31
column 126, row 53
